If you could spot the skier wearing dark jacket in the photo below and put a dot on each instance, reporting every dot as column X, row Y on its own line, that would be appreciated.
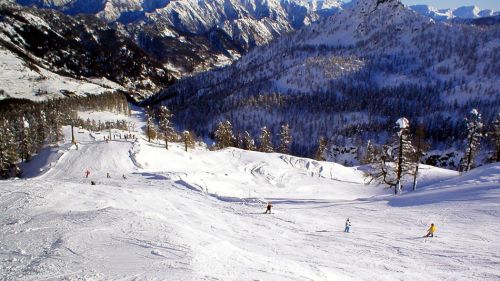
column 268, row 208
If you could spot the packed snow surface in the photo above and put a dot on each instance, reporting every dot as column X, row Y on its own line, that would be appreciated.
column 198, row 215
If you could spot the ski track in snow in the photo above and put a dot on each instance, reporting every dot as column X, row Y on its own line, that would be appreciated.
column 199, row 216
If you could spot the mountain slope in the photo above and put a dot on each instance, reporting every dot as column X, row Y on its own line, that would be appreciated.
column 349, row 77
column 72, row 49
column 200, row 218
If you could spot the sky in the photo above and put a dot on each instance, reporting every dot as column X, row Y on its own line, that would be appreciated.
column 441, row 4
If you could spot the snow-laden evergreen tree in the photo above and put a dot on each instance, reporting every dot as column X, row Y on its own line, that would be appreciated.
column 420, row 148
column 224, row 135
column 265, row 139
column 54, row 118
column 26, row 144
column 238, row 140
column 395, row 160
column 474, row 135
column 248, row 143
column 150, row 124
column 370, row 153
column 285, row 139
column 37, row 130
column 494, row 136
column 166, row 127
column 321, row 150
column 405, row 152
column 188, row 140
column 8, row 154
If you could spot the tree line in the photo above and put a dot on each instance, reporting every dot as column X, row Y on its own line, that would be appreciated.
column 26, row 127
column 159, row 126
column 387, row 163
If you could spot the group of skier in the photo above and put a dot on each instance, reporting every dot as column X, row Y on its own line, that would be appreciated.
column 126, row 137
column 430, row 231
column 87, row 173
column 347, row 229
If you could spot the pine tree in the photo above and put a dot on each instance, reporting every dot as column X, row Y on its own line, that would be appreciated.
column 166, row 125
column 150, row 124
column 394, row 161
column 474, row 134
column 248, row 142
column 188, row 140
column 224, row 135
column 266, row 144
column 495, row 138
column 8, row 154
column 238, row 140
column 320, row 152
column 26, row 146
column 88, row 125
column 405, row 151
column 42, row 130
column 285, row 139
column 54, row 118
column 370, row 154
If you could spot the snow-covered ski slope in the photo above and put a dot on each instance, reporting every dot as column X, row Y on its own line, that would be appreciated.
column 198, row 215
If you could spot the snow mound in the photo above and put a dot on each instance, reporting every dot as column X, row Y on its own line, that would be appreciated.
column 481, row 184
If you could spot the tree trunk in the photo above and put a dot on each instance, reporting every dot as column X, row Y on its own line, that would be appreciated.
column 73, row 141
column 149, row 133
column 166, row 141
column 400, row 164
column 415, row 178
column 469, row 156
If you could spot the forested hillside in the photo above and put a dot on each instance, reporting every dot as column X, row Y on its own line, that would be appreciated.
column 349, row 78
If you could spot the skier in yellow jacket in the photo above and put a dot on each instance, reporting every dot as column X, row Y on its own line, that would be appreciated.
column 431, row 230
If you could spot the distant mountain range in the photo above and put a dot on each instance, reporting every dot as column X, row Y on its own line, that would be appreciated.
column 190, row 36
column 465, row 12
column 179, row 38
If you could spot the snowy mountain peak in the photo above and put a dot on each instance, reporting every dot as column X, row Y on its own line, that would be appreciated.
column 366, row 17
column 465, row 12
column 376, row 3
